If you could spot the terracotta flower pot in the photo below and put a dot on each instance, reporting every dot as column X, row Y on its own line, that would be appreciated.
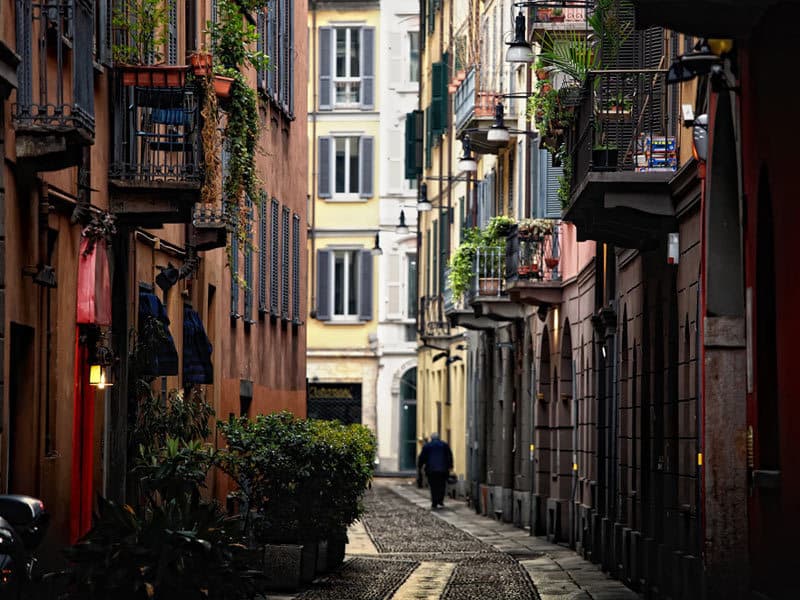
column 222, row 86
column 551, row 262
column 541, row 74
column 201, row 63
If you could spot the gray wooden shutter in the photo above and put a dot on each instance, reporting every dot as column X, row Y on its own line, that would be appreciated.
column 262, row 254
column 234, row 274
column 290, row 24
column 261, row 46
column 548, row 186
column 325, row 68
column 285, row 263
column 274, row 280
column 296, row 268
column 324, row 183
column 365, row 292
column 172, row 30
column 323, row 285
column 366, row 166
column 368, row 68
column 248, row 266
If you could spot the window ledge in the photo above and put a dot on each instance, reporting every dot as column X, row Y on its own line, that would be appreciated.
column 347, row 198
column 344, row 321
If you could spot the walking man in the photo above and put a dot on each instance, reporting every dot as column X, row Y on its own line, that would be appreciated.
column 437, row 458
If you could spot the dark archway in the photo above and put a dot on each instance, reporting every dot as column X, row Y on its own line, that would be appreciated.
column 542, row 437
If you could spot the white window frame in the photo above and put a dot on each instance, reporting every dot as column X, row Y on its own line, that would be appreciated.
column 345, row 318
column 406, row 284
column 348, row 80
column 349, row 196
column 409, row 62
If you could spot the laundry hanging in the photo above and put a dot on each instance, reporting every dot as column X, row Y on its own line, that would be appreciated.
column 162, row 358
column 197, row 367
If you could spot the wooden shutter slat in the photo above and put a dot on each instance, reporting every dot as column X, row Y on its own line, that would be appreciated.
column 323, row 285
column 365, row 292
column 324, row 178
column 366, row 168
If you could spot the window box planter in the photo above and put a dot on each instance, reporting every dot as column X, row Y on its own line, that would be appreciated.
column 489, row 286
column 153, row 76
column 222, row 86
column 551, row 262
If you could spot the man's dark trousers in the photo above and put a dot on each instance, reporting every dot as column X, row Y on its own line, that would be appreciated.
column 438, row 482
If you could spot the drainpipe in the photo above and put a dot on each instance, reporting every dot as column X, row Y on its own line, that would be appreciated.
column 314, row 96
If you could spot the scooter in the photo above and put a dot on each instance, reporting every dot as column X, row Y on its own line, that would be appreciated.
column 23, row 525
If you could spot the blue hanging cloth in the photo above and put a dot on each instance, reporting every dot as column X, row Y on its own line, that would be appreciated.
column 197, row 367
column 164, row 360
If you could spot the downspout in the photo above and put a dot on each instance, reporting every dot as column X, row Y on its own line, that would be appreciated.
column 314, row 96
column 532, row 447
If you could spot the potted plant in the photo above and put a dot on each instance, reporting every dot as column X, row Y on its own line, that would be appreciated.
column 605, row 157
column 201, row 62
column 143, row 28
column 223, row 80
column 557, row 16
column 543, row 15
column 541, row 70
column 551, row 262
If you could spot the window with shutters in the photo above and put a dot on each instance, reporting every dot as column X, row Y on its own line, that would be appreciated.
column 262, row 254
column 344, row 285
column 411, row 285
column 346, row 165
column 248, row 266
column 413, row 56
column 548, row 205
column 102, row 31
column 296, row 318
column 414, row 128
column 234, row 265
column 285, row 264
column 347, row 68
column 275, row 28
column 274, row 267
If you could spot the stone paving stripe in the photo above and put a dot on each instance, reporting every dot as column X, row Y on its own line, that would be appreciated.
column 427, row 581
column 359, row 541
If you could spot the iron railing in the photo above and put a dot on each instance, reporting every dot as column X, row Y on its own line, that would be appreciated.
column 624, row 123
column 489, row 269
column 432, row 319
column 45, row 33
column 533, row 253
column 157, row 137
column 469, row 101
column 572, row 14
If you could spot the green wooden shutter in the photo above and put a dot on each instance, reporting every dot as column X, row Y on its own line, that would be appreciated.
column 428, row 139
column 438, row 113
column 414, row 126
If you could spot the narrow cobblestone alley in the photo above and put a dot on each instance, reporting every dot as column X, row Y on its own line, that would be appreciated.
column 404, row 551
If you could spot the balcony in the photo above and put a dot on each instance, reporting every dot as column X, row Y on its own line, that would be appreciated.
column 210, row 225
column 54, row 113
column 474, row 108
column 532, row 263
column 488, row 295
column 460, row 314
column 623, row 150
column 431, row 321
column 572, row 17
column 157, row 166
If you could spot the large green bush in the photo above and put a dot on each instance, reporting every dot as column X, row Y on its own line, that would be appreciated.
column 301, row 479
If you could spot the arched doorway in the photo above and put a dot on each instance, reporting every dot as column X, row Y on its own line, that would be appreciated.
column 407, row 452
column 541, row 438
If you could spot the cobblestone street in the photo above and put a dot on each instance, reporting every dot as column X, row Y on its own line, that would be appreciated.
column 404, row 551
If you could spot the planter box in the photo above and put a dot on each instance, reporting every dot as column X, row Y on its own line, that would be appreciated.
column 308, row 562
column 283, row 566
column 153, row 76
column 222, row 86
column 605, row 159
column 336, row 551
column 322, row 556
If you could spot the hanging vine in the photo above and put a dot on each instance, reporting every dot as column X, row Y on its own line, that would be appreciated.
column 233, row 39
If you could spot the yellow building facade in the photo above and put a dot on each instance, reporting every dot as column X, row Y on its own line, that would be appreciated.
column 343, row 108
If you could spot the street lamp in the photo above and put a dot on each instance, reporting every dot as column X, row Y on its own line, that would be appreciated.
column 376, row 249
column 402, row 228
column 467, row 162
column 498, row 132
column 422, row 204
column 519, row 50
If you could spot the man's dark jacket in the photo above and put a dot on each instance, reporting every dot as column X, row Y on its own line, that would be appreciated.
column 436, row 456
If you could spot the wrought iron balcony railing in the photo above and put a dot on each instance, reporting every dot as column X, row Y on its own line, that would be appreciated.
column 625, row 121
column 157, row 141
column 431, row 319
column 489, row 274
column 55, row 40
column 533, row 252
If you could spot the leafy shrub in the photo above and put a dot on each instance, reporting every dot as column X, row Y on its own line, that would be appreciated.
column 302, row 479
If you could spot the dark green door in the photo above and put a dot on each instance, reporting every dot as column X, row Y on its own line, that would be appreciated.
column 408, row 421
